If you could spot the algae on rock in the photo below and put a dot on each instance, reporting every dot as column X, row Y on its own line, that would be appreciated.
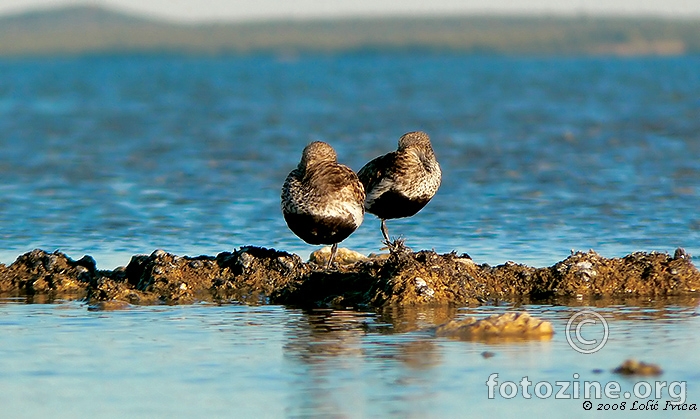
column 256, row 275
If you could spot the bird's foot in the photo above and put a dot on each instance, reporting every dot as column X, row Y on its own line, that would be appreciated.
column 397, row 246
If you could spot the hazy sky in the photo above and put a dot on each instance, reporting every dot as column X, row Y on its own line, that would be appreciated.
column 193, row 10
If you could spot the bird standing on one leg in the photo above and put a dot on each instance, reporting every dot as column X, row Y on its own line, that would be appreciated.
column 322, row 200
column 401, row 183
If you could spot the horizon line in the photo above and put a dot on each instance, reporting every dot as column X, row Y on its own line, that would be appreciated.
column 349, row 16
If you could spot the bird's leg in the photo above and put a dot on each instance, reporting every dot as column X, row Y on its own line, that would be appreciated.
column 334, row 250
column 385, row 233
column 396, row 245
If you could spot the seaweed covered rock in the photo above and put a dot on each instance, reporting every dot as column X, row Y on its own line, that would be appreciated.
column 426, row 277
column 343, row 286
column 112, row 286
column 39, row 272
column 251, row 273
column 248, row 274
column 648, row 274
column 159, row 277
column 405, row 278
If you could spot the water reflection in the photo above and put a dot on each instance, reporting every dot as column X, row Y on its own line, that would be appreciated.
column 326, row 347
column 347, row 369
column 212, row 359
column 326, row 333
column 350, row 364
column 408, row 319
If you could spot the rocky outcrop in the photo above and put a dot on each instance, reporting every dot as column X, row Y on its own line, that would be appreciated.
column 257, row 275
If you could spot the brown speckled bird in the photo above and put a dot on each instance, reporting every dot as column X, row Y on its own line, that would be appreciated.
column 401, row 183
column 322, row 200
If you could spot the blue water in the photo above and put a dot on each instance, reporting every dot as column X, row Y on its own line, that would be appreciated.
column 63, row 361
column 119, row 155
column 115, row 156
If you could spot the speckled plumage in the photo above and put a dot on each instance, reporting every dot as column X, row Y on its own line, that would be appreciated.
column 400, row 183
column 322, row 200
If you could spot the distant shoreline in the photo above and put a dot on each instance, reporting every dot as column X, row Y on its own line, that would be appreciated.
column 91, row 30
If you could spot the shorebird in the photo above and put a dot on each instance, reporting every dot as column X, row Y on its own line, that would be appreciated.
column 401, row 183
column 322, row 200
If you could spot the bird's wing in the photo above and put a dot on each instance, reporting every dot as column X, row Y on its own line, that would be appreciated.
column 372, row 173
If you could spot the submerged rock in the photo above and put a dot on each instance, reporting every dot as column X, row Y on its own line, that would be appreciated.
column 110, row 305
column 257, row 275
column 634, row 367
column 498, row 327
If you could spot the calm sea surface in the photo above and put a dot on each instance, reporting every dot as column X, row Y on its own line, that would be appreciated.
column 116, row 156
